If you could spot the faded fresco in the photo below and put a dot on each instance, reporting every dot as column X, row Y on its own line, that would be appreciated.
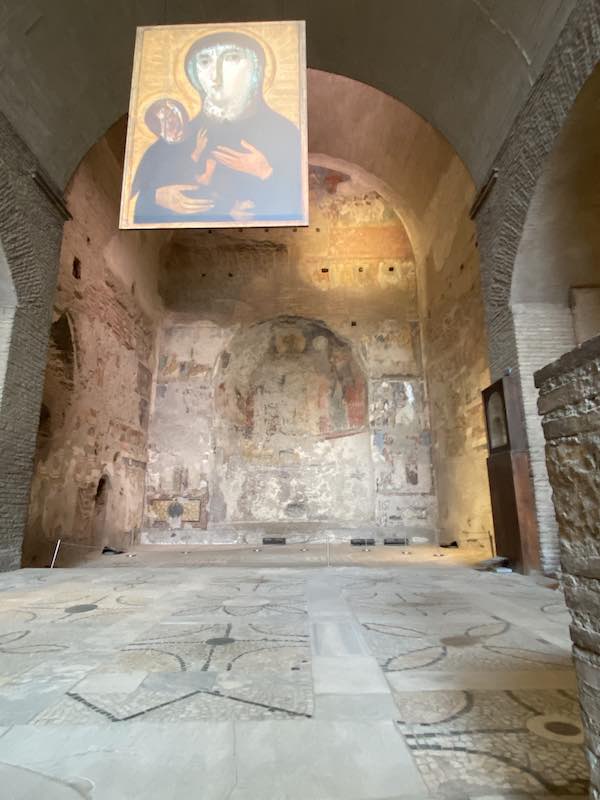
column 290, row 386
column 217, row 127
column 291, row 424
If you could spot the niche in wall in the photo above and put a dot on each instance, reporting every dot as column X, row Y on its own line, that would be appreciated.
column 291, row 432
column 58, row 384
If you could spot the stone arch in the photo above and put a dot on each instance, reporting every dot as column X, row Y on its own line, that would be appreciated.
column 292, row 439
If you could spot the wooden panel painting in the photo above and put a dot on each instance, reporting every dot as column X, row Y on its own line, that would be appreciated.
column 217, row 127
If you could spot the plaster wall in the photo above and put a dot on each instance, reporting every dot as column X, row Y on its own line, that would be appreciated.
column 354, row 270
column 585, row 308
column 456, row 361
column 90, row 462
column 430, row 188
column 294, row 355
column 291, row 435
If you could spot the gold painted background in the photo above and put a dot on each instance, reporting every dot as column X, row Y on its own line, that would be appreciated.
column 158, row 71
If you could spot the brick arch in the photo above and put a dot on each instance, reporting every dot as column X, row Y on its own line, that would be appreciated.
column 559, row 251
column 520, row 162
column 502, row 220
column 30, row 235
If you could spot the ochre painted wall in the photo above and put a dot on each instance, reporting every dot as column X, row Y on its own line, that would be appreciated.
column 456, row 362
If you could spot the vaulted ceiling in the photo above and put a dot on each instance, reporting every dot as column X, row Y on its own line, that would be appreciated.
column 466, row 66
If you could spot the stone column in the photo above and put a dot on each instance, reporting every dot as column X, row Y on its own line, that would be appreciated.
column 569, row 402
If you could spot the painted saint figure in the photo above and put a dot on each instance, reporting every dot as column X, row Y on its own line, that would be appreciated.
column 236, row 160
column 168, row 119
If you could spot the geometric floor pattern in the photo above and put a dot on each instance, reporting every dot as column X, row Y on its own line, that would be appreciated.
column 425, row 682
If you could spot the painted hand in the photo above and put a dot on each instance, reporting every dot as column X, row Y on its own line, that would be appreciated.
column 201, row 141
column 206, row 176
column 174, row 199
column 252, row 161
column 242, row 209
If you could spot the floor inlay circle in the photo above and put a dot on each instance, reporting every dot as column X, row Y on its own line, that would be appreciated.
column 562, row 728
column 556, row 728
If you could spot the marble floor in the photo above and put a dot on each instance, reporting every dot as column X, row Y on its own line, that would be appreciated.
column 419, row 681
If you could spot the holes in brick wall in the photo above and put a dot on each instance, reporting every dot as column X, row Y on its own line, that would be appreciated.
column 61, row 352
column 230, row 274
column 324, row 269
column 361, row 269
column 390, row 269
column 58, row 384
column 45, row 422
column 353, row 323
column 76, row 268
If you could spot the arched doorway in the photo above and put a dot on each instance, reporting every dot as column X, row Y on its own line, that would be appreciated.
column 555, row 293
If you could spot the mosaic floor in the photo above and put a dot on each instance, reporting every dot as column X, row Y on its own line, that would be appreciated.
column 418, row 682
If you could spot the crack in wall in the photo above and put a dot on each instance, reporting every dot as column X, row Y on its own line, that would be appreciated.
column 508, row 33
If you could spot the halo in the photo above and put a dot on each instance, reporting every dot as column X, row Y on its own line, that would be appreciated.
column 270, row 61
column 150, row 99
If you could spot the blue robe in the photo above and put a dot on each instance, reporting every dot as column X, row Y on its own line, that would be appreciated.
column 278, row 198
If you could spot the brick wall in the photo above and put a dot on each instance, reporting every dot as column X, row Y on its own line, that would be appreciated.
column 30, row 233
column 543, row 332
column 96, row 416
column 570, row 405
column 501, row 221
